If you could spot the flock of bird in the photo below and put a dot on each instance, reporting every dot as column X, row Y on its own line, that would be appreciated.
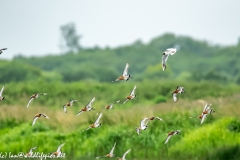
column 143, row 123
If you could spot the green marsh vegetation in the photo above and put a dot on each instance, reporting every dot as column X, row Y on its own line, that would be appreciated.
column 208, row 74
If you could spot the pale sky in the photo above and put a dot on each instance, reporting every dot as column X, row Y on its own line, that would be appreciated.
column 31, row 27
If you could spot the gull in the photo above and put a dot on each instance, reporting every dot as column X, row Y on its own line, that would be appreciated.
column 36, row 95
column 131, row 96
column 96, row 123
column 169, row 51
column 176, row 91
column 143, row 125
column 206, row 110
column 88, row 107
column 109, row 155
column 170, row 134
column 69, row 104
column 125, row 76
column 2, row 97
column 1, row 50
column 124, row 155
column 109, row 106
column 30, row 152
column 58, row 152
column 38, row 116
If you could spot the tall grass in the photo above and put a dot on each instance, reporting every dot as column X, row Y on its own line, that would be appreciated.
column 219, row 133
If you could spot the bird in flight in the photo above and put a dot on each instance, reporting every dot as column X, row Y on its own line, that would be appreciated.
column 69, row 104
column 109, row 106
column 131, row 96
column 96, row 123
column 1, row 50
column 125, row 76
column 36, row 95
column 143, row 125
column 109, row 155
column 206, row 111
column 165, row 55
column 38, row 116
column 176, row 91
column 88, row 107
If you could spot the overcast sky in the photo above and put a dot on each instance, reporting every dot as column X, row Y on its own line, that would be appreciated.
column 31, row 27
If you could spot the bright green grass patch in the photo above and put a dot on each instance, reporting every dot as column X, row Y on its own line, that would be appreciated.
column 201, row 141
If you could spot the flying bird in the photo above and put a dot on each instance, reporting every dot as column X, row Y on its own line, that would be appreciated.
column 36, row 95
column 88, row 107
column 58, row 152
column 1, row 50
column 131, row 96
column 176, row 91
column 170, row 134
column 124, row 155
column 109, row 106
column 30, row 152
column 125, row 76
column 96, row 123
column 169, row 51
column 38, row 116
column 69, row 104
column 206, row 111
column 143, row 125
column 109, row 155
column 2, row 97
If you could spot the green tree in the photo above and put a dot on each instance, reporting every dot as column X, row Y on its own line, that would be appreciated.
column 71, row 39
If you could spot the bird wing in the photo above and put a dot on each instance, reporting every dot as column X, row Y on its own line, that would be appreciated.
column 3, row 49
column 111, row 152
column 174, row 97
column 65, row 108
column 1, row 91
column 132, row 93
column 159, row 118
column 59, row 148
column 34, row 120
column 205, row 107
column 98, row 119
column 90, row 103
column 203, row 117
column 125, row 71
column 171, row 51
column 44, row 115
column 42, row 94
column 208, row 107
column 117, row 101
column 137, row 130
column 168, row 139
column 30, row 100
column 143, row 122
column 125, row 101
column 164, row 60
column 124, row 155
column 72, row 101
